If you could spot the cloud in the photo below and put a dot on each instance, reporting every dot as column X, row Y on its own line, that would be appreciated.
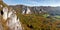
column 29, row 2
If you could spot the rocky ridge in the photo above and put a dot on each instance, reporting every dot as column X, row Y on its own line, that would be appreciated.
column 9, row 19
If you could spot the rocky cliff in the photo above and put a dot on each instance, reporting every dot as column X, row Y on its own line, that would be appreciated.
column 8, row 18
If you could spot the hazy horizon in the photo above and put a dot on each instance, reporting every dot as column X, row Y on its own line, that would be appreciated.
column 33, row 2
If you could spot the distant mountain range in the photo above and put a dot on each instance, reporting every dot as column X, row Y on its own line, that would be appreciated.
column 23, row 9
column 37, row 9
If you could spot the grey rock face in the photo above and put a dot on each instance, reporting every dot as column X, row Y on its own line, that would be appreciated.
column 12, row 20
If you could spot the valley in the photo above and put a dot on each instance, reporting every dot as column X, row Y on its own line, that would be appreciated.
column 22, row 17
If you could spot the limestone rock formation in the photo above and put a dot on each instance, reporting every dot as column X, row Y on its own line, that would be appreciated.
column 12, row 20
column 5, row 10
column 26, row 11
column 8, row 18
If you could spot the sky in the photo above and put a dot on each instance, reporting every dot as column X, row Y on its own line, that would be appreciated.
column 33, row 2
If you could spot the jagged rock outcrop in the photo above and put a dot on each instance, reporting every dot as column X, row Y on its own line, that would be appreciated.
column 5, row 10
column 26, row 10
column 8, row 18
column 12, row 21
